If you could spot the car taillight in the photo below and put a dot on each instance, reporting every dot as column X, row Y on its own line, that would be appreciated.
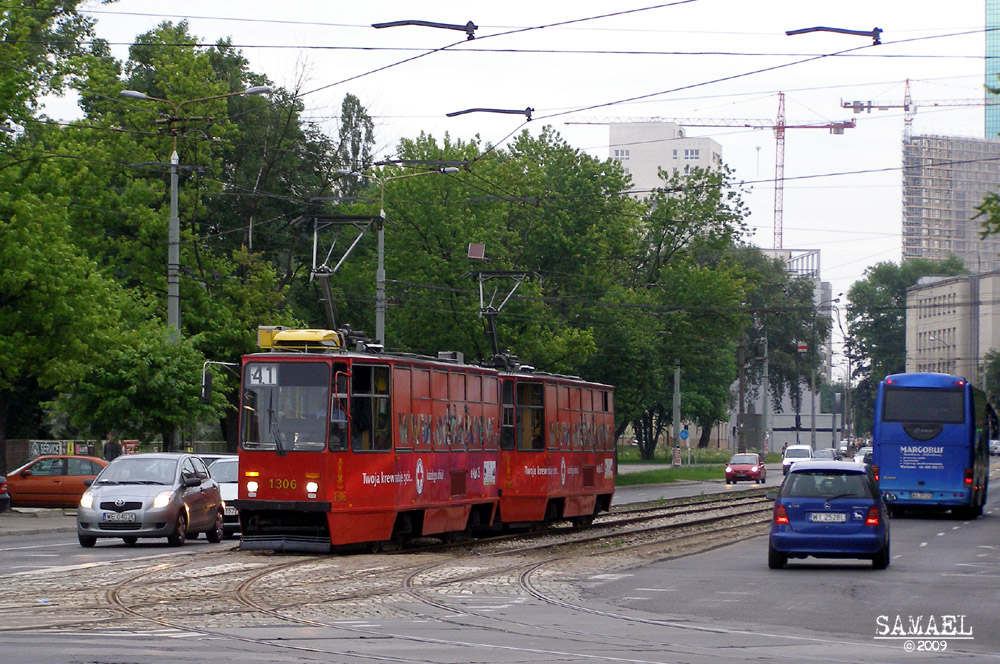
column 968, row 476
column 780, row 515
column 875, row 472
column 872, row 519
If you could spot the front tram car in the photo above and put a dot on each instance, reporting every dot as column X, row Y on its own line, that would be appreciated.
column 342, row 444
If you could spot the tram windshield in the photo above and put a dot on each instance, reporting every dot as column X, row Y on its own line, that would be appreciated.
column 286, row 406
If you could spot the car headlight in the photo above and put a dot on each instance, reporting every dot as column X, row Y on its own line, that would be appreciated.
column 163, row 499
column 87, row 500
column 252, row 486
column 754, row 469
column 312, row 487
column 729, row 469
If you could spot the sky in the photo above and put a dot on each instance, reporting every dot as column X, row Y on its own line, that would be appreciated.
column 591, row 61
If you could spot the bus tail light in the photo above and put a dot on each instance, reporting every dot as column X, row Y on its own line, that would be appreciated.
column 780, row 515
column 875, row 472
column 872, row 519
column 968, row 476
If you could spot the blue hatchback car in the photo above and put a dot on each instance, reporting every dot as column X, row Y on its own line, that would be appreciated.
column 828, row 509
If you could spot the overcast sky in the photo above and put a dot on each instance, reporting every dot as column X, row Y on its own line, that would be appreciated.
column 597, row 60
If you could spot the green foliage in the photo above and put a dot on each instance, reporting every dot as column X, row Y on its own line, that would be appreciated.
column 877, row 326
column 620, row 289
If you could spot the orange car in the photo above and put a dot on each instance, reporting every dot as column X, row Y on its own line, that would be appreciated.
column 52, row 481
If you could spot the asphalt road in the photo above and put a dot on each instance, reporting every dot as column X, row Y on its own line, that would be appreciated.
column 722, row 605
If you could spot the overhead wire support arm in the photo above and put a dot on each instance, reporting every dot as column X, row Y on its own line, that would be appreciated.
column 322, row 271
column 874, row 33
column 506, row 111
column 489, row 312
column 469, row 28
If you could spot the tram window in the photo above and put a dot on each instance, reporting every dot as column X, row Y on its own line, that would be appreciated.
column 338, row 409
column 474, row 388
column 507, row 421
column 530, row 417
column 285, row 405
column 457, row 387
column 370, row 424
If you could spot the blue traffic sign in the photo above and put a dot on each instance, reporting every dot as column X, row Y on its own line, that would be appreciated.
column 684, row 434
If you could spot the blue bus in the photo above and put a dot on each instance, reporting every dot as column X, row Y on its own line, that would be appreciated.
column 931, row 438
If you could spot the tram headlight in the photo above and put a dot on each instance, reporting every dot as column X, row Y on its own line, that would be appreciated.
column 312, row 487
column 252, row 486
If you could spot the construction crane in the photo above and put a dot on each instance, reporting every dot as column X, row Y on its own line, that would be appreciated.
column 910, row 109
column 779, row 125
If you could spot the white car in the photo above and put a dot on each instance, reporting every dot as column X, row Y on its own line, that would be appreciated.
column 995, row 447
column 792, row 454
column 225, row 471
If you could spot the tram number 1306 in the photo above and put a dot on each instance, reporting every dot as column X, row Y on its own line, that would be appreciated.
column 282, row 484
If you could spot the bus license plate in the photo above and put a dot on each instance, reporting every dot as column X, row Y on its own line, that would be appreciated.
column 115, row 516
column 829, row 517
column 920, row 495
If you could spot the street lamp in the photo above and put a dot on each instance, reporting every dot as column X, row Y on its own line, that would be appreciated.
column 848, row 418
column 812, row 372
column 380, row 270
column 174, row 225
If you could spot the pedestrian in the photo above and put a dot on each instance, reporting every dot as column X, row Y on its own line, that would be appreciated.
column 112, row 448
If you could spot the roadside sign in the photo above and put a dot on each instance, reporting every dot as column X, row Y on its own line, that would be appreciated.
column 803, row 347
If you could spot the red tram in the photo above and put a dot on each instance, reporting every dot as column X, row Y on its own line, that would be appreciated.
column 343, row 444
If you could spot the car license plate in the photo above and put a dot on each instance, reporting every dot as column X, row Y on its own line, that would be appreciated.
column 230, row 511
column 828, row 517
column 123, row 516
column 920, row 495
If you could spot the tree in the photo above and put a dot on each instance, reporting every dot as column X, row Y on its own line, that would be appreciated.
column 877, row 325
column 55, row 305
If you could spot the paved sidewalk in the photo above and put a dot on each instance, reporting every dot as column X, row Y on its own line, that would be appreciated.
column 36, row 521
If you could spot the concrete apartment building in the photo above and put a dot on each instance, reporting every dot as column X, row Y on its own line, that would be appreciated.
column 944, row 179
column 951, row 323
column 643, row 148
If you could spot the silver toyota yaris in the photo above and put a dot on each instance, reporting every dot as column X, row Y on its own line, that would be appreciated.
column 151, row 495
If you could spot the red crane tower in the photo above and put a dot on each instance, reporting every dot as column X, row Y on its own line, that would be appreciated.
column 779, row 125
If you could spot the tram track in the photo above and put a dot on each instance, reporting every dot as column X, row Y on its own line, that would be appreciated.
column 329, row 591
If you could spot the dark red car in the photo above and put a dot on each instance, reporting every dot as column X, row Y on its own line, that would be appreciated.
column 746, row 466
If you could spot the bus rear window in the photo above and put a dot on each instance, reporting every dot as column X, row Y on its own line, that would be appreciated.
column 903, row 404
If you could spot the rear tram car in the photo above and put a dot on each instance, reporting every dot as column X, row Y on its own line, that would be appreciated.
column 342, row 444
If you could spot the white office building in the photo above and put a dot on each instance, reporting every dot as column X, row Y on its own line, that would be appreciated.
column 643, row 148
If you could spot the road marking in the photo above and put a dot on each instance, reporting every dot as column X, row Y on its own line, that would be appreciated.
column 36, row 546
column 940, row 534
column 923, row 544
column 610, row 577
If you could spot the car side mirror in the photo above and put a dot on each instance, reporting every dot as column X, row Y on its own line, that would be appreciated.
column 771, row 495
column 88, row 482
column 191, row 482
column 25, row 473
